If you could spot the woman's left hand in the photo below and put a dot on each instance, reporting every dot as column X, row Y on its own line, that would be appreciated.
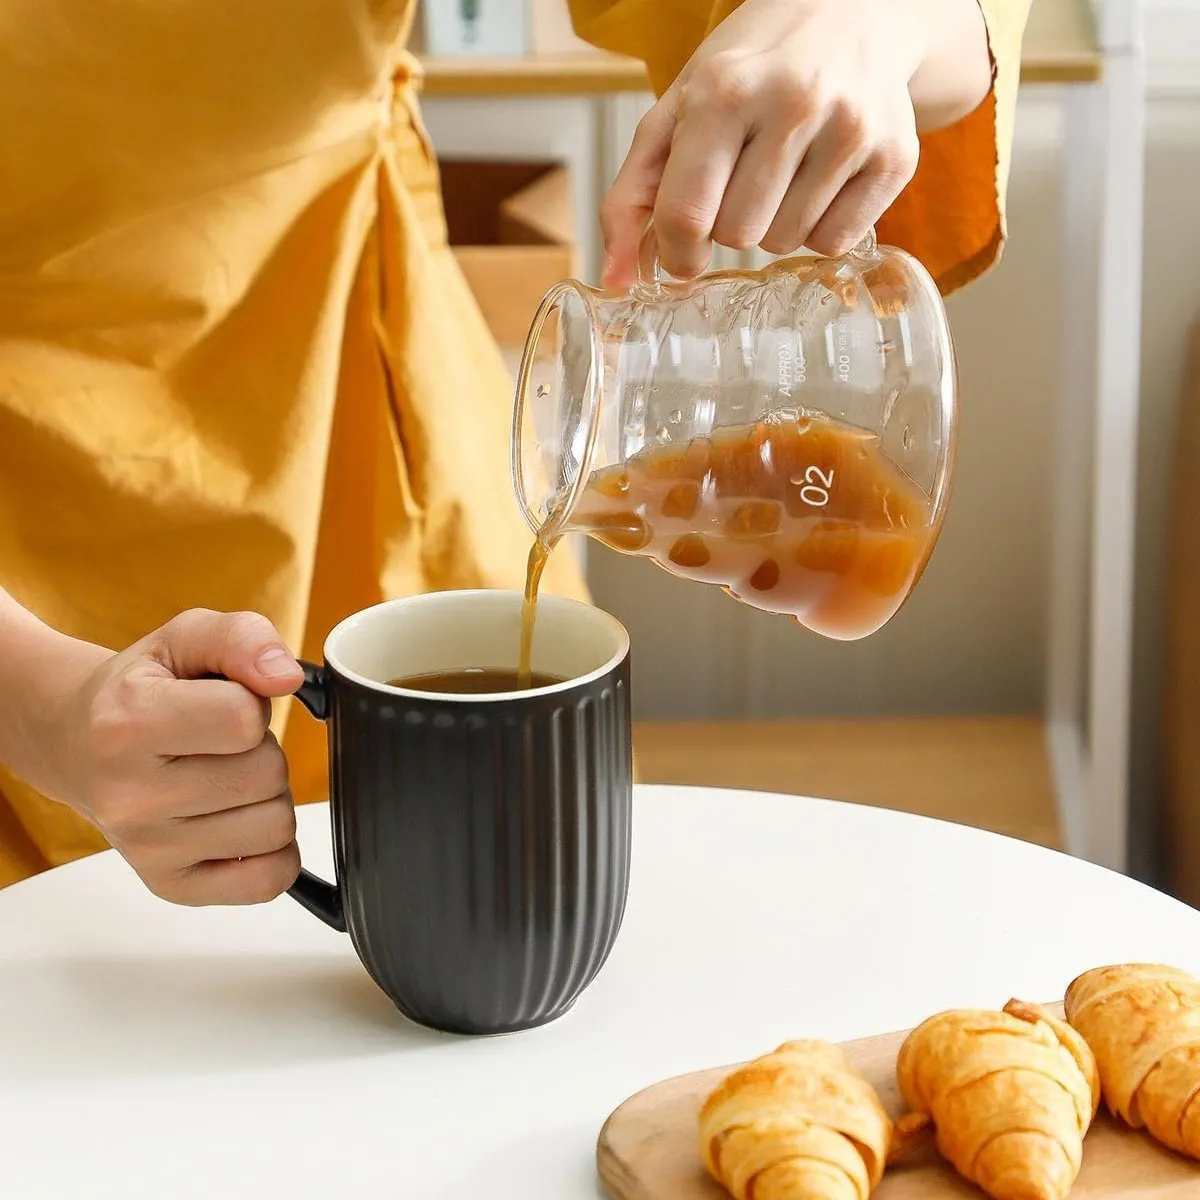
column 792, row 125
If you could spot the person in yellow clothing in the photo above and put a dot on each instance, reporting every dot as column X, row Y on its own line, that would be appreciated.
column 244, row 390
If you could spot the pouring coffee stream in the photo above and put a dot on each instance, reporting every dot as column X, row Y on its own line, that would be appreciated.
column 539, row 553
column 786, row 434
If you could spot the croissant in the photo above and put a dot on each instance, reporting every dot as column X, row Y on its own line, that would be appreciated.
column 1142, row 1022
column 800, row 1123
column 1010, row 1095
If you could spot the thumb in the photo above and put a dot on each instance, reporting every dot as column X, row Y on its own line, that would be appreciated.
column 244, row 647
column 629, row 203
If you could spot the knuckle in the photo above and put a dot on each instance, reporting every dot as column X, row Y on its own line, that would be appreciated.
column 109, row 808
column 683, row 220
column 274, row 781
column 737, row 234
column 191, row 615
column 190, row 619
column 682, row 264
column 897, row 160
column 115, row 720
column 832, row 242
column 648, row 127
column 268, row 829
column 244, row 625
column 172, row 887
column 247, row 720
column 851, row 126
column 261, row 880
column 262, row 772
column 722, row 82
column 240, row 629
column 796, row 95
column 281, row 824
column 268, row 775
column 126, row 813
column 780, row 243
column 826, row 246
column 112, row 732
column 740, row 239
column 612, row 211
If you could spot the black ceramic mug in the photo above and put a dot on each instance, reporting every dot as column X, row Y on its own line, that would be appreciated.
column 481, row 842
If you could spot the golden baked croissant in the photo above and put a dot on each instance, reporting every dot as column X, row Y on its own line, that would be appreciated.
column 1010, row 1095
column 1142, row 1022
column 797, row 1124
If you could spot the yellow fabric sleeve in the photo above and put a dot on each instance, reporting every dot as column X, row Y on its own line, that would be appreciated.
column 952, row 214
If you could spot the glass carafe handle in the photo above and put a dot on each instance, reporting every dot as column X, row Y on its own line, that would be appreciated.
column 867, row 246
column 651, row 274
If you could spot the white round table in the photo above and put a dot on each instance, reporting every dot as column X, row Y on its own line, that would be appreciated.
column 150, row 1051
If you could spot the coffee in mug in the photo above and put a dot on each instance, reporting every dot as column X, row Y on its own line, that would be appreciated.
column 476, row 681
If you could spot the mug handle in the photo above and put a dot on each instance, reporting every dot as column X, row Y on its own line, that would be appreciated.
column 323, row 900
column 310, row 891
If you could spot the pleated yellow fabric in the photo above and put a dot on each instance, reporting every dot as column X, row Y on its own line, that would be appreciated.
column 238, row 365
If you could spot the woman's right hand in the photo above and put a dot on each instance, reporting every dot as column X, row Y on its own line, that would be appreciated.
column 179, row 772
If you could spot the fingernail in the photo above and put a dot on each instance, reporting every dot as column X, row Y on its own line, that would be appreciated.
column 275, row 662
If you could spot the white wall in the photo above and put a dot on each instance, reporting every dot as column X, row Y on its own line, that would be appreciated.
column 972, row 637
column 1171, row 304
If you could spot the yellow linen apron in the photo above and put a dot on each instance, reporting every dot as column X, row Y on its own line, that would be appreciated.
column 238, row 365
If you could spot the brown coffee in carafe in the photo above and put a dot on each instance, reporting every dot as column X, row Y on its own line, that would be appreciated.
column 808, row 518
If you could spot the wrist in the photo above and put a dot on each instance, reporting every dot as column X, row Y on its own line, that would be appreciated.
column 41, row 672
column 953, row 66
column 912, row 31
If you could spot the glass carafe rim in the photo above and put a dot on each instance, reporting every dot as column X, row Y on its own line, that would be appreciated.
column 593, row 387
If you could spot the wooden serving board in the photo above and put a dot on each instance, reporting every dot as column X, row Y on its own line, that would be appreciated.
column 649, row 1147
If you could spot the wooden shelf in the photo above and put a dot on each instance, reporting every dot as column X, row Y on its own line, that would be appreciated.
column 989, row 772
column 580, row 74
column 1060, row 47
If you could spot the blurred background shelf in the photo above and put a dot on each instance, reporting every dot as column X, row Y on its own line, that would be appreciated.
column 989, row 772
column 1060, row 47
column 546, row 75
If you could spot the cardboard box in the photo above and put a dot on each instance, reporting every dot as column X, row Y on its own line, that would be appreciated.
column 512, row 230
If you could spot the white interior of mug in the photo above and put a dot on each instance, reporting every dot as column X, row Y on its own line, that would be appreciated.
column 462, row 630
